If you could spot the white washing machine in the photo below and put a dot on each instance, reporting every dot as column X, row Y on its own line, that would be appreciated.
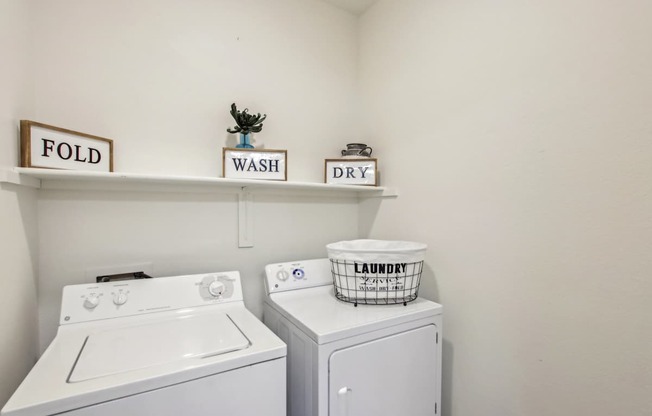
column 181, row 345
column 343, row 360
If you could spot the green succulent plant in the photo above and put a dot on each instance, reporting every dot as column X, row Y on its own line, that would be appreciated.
column 246, row 123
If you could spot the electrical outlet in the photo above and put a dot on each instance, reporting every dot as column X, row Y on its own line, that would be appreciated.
column 92, row 272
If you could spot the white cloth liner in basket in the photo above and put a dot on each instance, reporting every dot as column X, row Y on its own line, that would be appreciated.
column 377, row 251
column 376, row 271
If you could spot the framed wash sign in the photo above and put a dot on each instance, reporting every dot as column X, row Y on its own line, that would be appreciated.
column 254, row 164
column 355, row 171
column 43, row 146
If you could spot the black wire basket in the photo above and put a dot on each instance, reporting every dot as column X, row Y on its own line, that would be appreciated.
column 369, row 284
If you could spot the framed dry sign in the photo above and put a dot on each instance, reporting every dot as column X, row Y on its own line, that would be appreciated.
column 43, row 146
column 362, row 171
column 254, row 164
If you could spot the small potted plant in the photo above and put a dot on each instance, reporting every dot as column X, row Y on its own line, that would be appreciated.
column 246, row 124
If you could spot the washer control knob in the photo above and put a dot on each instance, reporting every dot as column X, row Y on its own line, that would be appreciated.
column 298, row 273
column 120, row 298
column 216, row 288
column 91, row 302
column 282, row 275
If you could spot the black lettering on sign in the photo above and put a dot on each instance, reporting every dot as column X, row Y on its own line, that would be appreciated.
column 72, row 152
column 351, row 172
column 94, row 156
column 379, row 268
column 250, row 165
column 239, row 163
column 48, row 146
column 67, row 150
column 77, row 149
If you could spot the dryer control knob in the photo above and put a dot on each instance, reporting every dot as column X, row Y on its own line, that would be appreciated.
column 120, row 298
column 282, row 275
column 216, row 288
column 91, row 302
column 298, row 273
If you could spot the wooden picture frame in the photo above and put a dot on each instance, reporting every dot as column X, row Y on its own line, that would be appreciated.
column 50, row 147
column 264, row 164
column 351, row 171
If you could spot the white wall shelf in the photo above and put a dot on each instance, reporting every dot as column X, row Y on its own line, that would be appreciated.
column 118, row 181
column 135, row 182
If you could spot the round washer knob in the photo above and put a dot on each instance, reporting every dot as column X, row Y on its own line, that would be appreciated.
column 216, row 288
column 120, row 298
column 91, row 302
column 282, row 275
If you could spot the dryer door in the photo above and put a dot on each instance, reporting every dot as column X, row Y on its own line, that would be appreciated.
column 396, row 375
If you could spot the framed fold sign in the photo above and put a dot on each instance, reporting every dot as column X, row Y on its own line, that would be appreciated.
column 44, row 146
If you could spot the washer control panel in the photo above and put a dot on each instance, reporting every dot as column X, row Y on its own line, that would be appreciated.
column 216, row 286
column 294, row 275
column 88, row 302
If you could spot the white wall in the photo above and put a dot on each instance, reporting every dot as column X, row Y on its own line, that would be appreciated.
column 519, row 134
column 158, row 77
column 177, row 234
column 18, row 233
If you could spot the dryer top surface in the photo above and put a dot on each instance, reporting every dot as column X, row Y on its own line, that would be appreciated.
column 325, row 319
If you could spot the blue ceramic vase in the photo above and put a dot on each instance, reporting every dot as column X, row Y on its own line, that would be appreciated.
column 245, row 141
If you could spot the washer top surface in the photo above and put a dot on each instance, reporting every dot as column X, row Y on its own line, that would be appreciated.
column 325, row 319
column 172, row 330
column 142, row 345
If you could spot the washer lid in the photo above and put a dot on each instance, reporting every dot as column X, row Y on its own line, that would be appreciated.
column 139, row 346
column 325, row 319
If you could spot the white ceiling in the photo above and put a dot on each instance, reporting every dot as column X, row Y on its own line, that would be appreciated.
column 354, row 6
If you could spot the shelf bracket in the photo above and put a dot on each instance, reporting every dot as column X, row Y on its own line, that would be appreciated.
column 11, row 176
column 245, row 218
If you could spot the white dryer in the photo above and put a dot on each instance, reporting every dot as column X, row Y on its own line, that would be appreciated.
column 181, row 345
column 380, row 360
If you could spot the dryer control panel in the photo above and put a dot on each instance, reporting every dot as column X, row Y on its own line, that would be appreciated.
column 88, row 302
column 295, row 275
